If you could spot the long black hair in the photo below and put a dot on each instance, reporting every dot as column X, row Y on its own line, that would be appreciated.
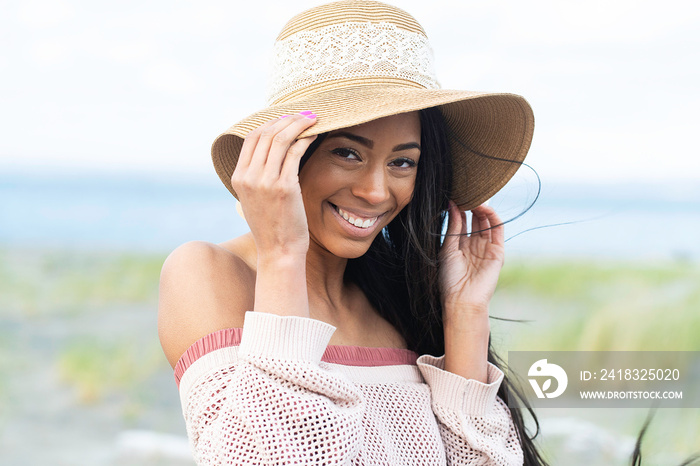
column 399, row 272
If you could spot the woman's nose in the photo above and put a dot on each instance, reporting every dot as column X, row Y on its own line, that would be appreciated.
column 371, row 186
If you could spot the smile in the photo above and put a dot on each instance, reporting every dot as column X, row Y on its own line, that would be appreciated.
column 356, row 220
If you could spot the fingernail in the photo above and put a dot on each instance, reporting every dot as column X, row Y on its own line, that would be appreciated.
column 311, row 116
column 306, row 112
column 284, row 116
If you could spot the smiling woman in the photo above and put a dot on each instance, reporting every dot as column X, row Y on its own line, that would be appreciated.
column 360, row 178
column 342, row 329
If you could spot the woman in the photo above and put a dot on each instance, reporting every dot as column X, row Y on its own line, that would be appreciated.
column 346, row 180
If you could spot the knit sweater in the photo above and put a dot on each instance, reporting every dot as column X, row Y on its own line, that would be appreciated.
column 276, row 393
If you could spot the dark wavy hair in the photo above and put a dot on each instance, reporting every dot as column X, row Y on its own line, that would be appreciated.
column 399, row 272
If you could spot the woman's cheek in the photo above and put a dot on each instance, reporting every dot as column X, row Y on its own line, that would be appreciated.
column 407, row 192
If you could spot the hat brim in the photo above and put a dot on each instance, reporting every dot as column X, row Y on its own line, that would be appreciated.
column 490, row 133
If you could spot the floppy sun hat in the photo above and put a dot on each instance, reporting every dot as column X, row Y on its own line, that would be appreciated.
column 355, row 61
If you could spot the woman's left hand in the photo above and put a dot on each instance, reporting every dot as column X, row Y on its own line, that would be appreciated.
column 470, row 264
column 469, row 269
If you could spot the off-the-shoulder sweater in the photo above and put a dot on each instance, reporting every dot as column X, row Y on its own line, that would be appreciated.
column 274, row 392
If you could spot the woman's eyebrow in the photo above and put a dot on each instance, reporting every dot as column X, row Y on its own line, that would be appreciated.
column 353, row 137
column 408, row 145
column 369, row 143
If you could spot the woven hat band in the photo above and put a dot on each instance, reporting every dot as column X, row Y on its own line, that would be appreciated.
column 360, row 51
column 343, row 84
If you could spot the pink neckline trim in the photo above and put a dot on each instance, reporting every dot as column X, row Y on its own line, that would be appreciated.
column 336, row 354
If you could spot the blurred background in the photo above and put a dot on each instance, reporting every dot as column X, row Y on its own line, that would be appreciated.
column 108, row 113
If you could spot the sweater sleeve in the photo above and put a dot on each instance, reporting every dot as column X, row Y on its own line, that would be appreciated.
column 475, row 424
column 275, row 404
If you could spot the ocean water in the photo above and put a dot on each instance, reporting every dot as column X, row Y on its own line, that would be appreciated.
column 616, row 221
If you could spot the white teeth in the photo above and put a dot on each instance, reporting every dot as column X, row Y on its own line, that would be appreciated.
column 357, row 222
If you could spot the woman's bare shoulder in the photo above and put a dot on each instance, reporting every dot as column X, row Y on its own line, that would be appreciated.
column 204, row 287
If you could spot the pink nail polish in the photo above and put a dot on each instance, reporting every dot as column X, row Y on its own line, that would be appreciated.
column 306, row 112
column 284, row 116
column 311, row 116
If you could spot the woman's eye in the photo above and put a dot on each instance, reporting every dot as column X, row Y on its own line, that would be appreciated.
column 346, row 153
column 404, row 163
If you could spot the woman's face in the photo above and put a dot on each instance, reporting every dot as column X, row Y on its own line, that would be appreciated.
column 358, row 180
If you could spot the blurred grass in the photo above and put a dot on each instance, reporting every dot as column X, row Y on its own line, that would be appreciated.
column 96, row 368
column 92, row 312
column 47, row 282
column 589, row 306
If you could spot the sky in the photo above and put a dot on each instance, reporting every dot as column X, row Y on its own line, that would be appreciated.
column 146, row 86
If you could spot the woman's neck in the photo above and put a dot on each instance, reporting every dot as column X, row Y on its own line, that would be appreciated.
column 331, row 299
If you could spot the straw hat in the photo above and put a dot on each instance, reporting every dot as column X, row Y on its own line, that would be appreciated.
column 354, row 61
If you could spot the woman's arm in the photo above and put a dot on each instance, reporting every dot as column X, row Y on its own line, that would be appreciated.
column 475, row 425
column 267, row 183
column 204, row 287
column 269, row 401
column 469, row 269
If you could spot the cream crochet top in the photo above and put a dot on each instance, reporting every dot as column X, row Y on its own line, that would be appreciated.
column 276, row 393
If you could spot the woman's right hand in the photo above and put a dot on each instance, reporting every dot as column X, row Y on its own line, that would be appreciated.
column 266, row 180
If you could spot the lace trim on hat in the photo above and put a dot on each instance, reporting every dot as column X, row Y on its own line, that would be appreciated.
column 350, row 50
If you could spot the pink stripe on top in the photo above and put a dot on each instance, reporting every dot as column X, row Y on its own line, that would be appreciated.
column 336, row 354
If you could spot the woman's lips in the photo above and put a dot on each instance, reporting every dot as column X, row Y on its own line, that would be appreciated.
column 355, row 223
column 355, row 219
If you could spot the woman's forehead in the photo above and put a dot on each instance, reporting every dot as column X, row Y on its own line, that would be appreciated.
column 403, row 126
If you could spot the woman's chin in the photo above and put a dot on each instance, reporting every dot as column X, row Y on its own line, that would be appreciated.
column 355, row 251
column 349, row 251
column 344, row 248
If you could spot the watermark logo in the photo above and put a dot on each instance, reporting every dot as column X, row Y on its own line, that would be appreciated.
column 542, row 368
column 607, row 379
